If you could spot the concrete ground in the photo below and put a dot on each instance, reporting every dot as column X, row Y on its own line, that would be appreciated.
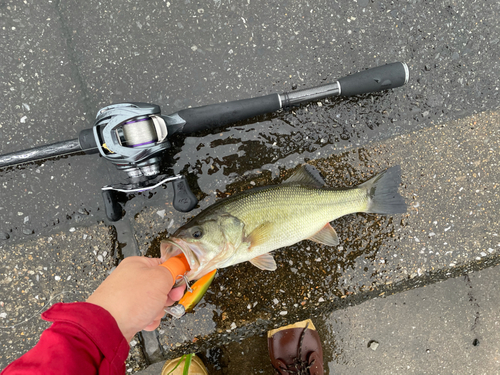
column 450, row 327
column 63, row 60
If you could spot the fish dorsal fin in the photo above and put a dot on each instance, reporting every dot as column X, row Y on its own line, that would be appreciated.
column 326, row 236
column 264, row 262
column 307, row 175
column 261, row 234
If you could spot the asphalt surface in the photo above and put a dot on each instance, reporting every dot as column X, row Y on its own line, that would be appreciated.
column 63, row 60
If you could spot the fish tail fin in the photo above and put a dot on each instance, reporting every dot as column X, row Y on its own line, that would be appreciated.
column 382, row 191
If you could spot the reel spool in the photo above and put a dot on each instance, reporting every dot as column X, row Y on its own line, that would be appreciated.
column 131, row 135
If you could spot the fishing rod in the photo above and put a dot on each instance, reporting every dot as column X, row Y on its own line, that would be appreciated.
column 134, row 135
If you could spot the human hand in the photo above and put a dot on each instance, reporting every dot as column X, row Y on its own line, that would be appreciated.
column 136, row 293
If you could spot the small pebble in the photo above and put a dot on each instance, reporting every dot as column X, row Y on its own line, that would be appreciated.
column 27, row 231
column 83, row 211
column 4, row 236
column 373, row 345
column 57, row 278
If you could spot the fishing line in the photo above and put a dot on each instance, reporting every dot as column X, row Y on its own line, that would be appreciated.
column 39, row 311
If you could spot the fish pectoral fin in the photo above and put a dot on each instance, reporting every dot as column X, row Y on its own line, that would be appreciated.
column 307, row 175
column 326, row 236
column 264, row 262
column 261, row 234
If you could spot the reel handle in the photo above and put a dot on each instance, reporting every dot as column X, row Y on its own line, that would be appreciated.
column 184, row 199
column 114, row 211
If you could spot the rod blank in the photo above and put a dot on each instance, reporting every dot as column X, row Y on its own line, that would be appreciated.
column 39, row 153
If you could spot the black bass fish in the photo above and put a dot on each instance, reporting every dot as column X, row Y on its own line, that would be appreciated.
column 249, row 225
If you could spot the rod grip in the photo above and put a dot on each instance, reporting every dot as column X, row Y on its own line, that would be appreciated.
column 375, row 79
column 218, row 115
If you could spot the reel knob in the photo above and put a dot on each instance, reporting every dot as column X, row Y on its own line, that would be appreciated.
column 184, row 199
column 114, row 211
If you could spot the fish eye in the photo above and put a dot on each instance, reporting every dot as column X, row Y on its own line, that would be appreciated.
column 197, row 233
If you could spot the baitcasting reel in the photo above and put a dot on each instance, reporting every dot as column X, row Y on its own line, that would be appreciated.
column 133, row 136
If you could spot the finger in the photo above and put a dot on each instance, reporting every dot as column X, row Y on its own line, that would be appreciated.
column 156, row 321
column 160, row 315
column 152, row 326
column 177, row 292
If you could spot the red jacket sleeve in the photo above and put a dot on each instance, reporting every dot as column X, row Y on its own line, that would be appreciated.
column 83, row 339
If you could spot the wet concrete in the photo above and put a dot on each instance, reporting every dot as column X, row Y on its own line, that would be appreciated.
column 450, row 327
column 66, row 59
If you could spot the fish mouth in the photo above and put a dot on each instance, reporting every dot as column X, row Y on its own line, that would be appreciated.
column 192, row 252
